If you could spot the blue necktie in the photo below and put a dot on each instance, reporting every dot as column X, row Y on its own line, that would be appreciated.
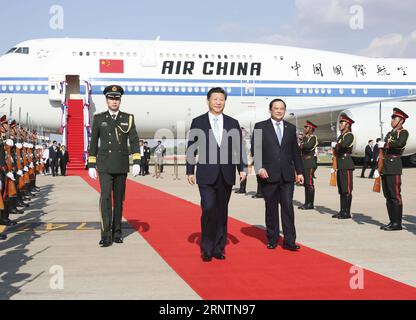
column 279, row 132
column 217, row 131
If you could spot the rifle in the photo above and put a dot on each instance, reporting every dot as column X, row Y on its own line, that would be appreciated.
column 377, row 181
column 10, row 186
column 333, row 179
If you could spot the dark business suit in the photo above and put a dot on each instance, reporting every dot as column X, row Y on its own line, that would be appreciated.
column 282, row 162
column 215, row 176
column 63, row 161
column 368, row 159
column 53, row 155
column 375, row 160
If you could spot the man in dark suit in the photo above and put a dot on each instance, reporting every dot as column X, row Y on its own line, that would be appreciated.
column 147, row 157
column 368, row 157
column 278, row 162
column 63, row 159
column 217, row 140
column 53, row 156
column 376, row 155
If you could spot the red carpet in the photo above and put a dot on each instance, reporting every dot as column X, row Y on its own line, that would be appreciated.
column 75, row 134
column 171, row 226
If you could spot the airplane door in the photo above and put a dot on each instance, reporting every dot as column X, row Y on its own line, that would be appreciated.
column 54, row 86
column 148, row 53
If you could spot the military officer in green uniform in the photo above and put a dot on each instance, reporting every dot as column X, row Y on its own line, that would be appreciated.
column 310, row 163
column 393, row 148
column 345, row 166
column 111, row 159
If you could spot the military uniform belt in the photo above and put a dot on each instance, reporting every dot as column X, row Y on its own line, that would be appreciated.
column 393, row 155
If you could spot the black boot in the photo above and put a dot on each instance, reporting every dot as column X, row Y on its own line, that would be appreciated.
column 13, row 206
column 388, row 205
column 3, row 237
column 242, row 187
column 342, row 206
column 347, row 205
column 396, row 218
column 309, row 199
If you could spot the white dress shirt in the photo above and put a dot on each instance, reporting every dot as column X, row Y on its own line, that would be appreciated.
column 220, row 124
column 116, row 113
column 274, row 122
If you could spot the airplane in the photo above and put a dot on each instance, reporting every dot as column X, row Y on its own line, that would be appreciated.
column 165, row 84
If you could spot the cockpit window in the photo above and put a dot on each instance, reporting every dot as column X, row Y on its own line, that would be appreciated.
column 22, row 50
column 11, row 50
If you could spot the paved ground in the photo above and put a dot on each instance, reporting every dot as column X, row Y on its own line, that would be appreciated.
column 61, row 233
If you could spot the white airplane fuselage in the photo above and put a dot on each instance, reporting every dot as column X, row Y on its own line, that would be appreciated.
column 166, row 82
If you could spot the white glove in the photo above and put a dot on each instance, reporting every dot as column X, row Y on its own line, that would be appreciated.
column 92, row 173
column 333, row 144
column 332, row 170
column 19, row 145
column 31, row 165
column 9, row 142
column 20, row 173
column 25, row 144
column 381, row 144
column 26, row 169
column 376, row 174
column 136, row 169
column 10, row 176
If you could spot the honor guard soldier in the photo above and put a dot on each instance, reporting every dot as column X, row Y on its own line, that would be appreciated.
column 345, row 166
column 310, row 163
column 111, row 158
column 393, row 148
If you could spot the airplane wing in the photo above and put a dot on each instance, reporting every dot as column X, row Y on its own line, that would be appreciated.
column 326, row 117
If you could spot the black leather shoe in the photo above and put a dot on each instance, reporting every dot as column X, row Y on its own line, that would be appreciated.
column 240, row 191
column 336, row 215
column 105, row 243
column 219, row 256
column 271, row 245
column 306, row 206
column 257, row 196
column 15, row 211
column 291, row 247
column 206, row 257
column 7, row 222
column 344, row 216
column 22, row 204
column 386, row 226
column 118, row 240
column 393, row 227
column 3, row 237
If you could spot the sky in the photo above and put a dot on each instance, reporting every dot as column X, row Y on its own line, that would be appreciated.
column 375, row 28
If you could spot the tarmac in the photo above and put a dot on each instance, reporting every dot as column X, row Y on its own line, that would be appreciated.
column 53, row 252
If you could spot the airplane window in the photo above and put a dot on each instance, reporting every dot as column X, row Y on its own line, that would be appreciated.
column 11, row 50
column 206, row 56
column 121, row 54
column 225, row 56
column 81, row 54
column 129, row 88
column 341, row 91
column 238, row 57
column 74, row 53
column 88, row 54
column 310, row 90
column 18, row 88
column 19, row 50
column 150, row 88
column 143, row 89
column 170, row 89
column 190, row 89
column 136, row 88
column 94, row 53
column 219, row 56
column 46, row 88
column 25, row 50
column 229, row 90
column 304, row 91
column 157, row 89
column 323, row 91
column 114, row 54
column 316, row 91
column 101, row 53
column 328, row 91
column 25, row 88
column 3, row 88
column 244, row 57
column 176, row 89
column 200, row 56
column 212, row 56
column 196, row 89
column 161, row 55
column 107, row 54
column 135, row 54
column 32, row 88
column 183, row 89
column 163, row 89
column 39, row 88
column 297, row 90
column 250, row 57
column 365, row 91
column 174, row 55
column 52, row 87
column 180, row 55
column 202, row 89
column 353, row 91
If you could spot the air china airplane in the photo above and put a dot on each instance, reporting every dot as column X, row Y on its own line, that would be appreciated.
column 166, row 83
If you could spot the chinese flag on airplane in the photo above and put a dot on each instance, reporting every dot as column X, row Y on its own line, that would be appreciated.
column 111, row 66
